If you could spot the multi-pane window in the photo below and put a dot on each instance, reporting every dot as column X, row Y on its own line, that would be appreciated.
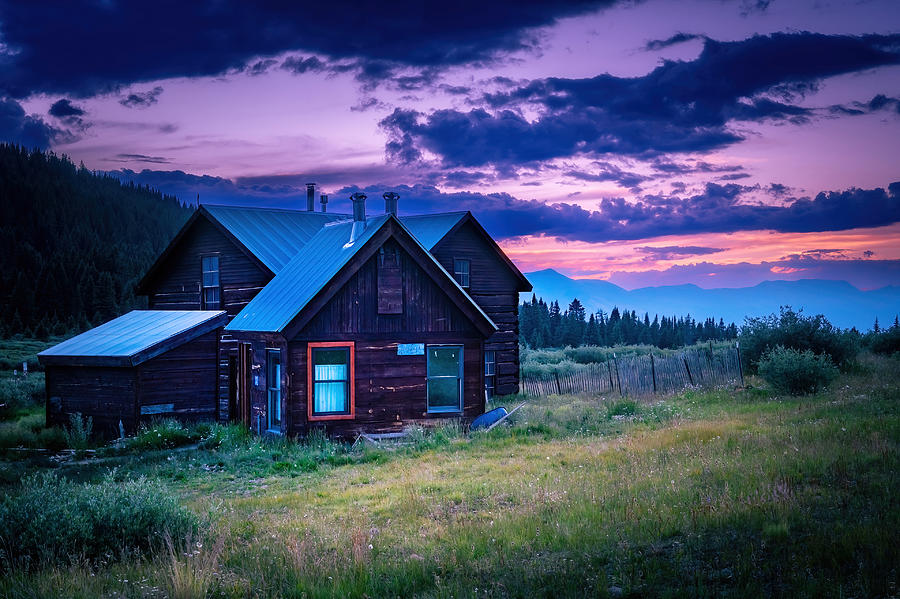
column 273, row 387
column 490, row 372
column 461, row 272
column 211, row 290
column 331, row 380
column 444, row 371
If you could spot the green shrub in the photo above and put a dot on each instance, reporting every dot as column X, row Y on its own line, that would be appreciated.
column 21, row 394
column 885, row 342
column 78, row 435
column 794, row 330
column 796, row 372
column 164, row 433
column 55, row 521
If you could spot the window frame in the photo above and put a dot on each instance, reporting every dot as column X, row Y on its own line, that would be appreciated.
column 203, row 287
column 457, row 275
column 460, row 379
column 310, row 382
column 492, row 376
column 276, row 427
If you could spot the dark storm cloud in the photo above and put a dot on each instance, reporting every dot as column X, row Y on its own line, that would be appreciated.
column 142, row 99
column 64, row 108
column 23, row 129
column 718, row 209
column 678, row 38
column 609, row 172
column 141, row 158
column 676, row 252
column 171, row 38
column 681, row 106
column 879, row 102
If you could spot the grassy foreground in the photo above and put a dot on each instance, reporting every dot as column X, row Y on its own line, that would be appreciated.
column 706, row 494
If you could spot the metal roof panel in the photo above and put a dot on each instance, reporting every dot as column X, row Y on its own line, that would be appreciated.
column 134, row 333
column 272, row 235
column 303, row 277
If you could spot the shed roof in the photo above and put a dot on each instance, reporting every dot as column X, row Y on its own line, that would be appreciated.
column 285, row 296
column 273, row 235
column 134, row 337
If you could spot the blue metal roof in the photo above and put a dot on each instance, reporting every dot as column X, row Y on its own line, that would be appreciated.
column 272, row 235
column 285, row 296
column 305, row 275
column 134, row 337
column 429, row 229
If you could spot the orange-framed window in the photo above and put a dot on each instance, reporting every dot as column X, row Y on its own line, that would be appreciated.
column 330, row 376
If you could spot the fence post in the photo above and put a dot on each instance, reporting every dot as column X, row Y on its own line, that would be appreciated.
column 737, row 348
column 558, row 391
column 688, row 368
column 653, row 371
column 609, row 370
column 618, row 378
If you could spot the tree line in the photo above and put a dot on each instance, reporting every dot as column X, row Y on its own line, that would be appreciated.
column 73, row 244
column 546, row 325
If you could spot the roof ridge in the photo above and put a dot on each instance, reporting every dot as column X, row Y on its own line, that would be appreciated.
column 271, row 209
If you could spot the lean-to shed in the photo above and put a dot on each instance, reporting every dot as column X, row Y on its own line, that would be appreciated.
column 144, row 364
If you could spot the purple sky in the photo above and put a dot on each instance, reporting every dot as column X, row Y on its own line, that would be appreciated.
column 715, row 142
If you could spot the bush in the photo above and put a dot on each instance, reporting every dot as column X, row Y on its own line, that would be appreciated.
column 78, row 435
column 167, row 433
column 55, row 521
column 796, row 372
column 885, row 342
column 21, row 394
column 794, row 330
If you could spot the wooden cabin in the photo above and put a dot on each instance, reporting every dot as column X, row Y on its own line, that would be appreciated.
column 142, row 365
column 398, row 312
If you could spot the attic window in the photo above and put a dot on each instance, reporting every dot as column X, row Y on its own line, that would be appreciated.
column 211, row 293
column 461, row 272
column 390, row 289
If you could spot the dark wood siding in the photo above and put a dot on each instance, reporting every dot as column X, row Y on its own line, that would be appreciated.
column 107, row 395
column 181, row 382
column 494, row 288
column 177, row 283
column 177, row 286
column 354, row 308
column 390, row 390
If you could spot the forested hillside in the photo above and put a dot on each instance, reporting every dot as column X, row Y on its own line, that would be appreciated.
column 73, row 244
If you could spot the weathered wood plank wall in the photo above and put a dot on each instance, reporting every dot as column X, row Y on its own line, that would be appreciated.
column 493, row 287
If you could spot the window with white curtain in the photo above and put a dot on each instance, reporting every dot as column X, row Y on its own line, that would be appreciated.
column 331, row 381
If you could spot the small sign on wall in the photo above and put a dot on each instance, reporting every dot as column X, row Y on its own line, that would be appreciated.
column 411, row 349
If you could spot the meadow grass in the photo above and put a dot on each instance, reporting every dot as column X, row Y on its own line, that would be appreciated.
column 724, row 492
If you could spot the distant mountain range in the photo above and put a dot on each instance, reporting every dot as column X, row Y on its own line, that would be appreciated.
column 842, row 303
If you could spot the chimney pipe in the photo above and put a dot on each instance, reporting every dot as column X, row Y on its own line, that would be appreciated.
column 390, row 202
column 324, row 199
column 310, row 197
column 359, row 216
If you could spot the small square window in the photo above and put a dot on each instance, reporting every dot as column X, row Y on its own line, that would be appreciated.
column 461, row 272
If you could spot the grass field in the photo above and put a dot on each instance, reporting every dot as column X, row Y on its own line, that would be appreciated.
column 732, row 492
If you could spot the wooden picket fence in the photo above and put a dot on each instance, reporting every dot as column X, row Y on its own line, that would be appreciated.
column 643, row 375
